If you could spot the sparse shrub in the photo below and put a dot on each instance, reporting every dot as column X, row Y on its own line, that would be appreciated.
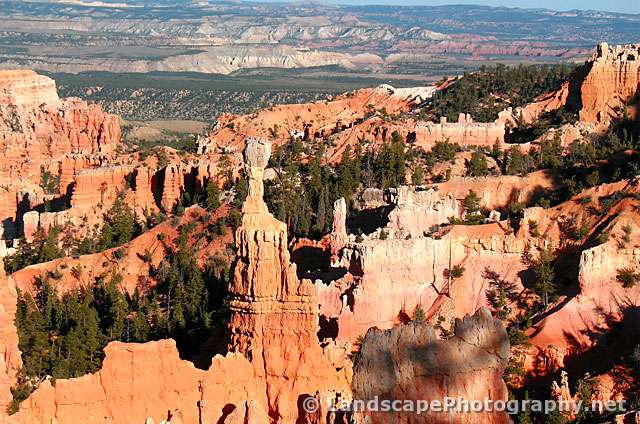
column 457, row 271
column 417, row 178
column 518, row 337
column 585, row 200
column 627, row 277
column 603, row 237
column 56, row 274
column 418, row 314
column 533, row 228
column 119, row 253
column 627, row 229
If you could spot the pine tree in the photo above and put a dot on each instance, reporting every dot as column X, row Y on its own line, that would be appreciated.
column 113, row 307
column 516, row 164
column 418, row 314
column 477, row 165
column 544, row 270
column 213, row 196
column 417, row 177
column 471, row 202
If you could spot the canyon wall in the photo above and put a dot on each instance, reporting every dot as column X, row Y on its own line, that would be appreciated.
column 145, row 189
column 26, row 88
column 418, row 211
column 39, row 131
column 37, row 127
column 141, row 381
column 395, row 274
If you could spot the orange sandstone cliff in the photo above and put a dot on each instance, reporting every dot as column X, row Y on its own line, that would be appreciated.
column 611, row 79
column 39, row 131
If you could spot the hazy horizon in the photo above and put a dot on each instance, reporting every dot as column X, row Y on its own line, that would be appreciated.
column 616, row 6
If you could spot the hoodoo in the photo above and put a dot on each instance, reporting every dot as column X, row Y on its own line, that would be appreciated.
column 274, row 316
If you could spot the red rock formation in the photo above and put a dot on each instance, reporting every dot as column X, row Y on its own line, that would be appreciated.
column 146, row 190
column 424, row 134
column 26, row 88
column 598, row 90
column 40, row 131
column 527, row 114
column 411, row 362
column 320, row 118
column 499, row 192
column 30, row 221
column 33, row 133
column 394, row 275
column 274, row 320
column 611, row 78
column 140, row 381
column 277, row 362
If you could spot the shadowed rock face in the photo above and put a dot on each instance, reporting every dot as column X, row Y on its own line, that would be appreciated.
column 411, row 362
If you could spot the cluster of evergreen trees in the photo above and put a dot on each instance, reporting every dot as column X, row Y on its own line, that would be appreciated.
column 581, row 165
column 303, row 193
column 488, row 91
column 120, row 226
column 62, row 336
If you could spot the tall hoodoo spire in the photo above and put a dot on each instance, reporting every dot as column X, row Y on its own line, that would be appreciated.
column 274, row 315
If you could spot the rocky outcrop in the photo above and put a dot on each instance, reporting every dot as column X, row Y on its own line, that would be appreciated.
column 411, row 362
column 141, row 381
column 599, row 90
column 274, row 320
column 434, row 202
column 26, row 88
column 499, row 192
column 146, row 189
column 338, row 236
column 392, row 276
column 418, row 211
column 580, row 322
column 319, row 119
column 40, row 132
column 609, row 79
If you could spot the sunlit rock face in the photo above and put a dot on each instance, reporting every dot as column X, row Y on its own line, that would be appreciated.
column 274, row 318
column 611, row 78
column 40, row 133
